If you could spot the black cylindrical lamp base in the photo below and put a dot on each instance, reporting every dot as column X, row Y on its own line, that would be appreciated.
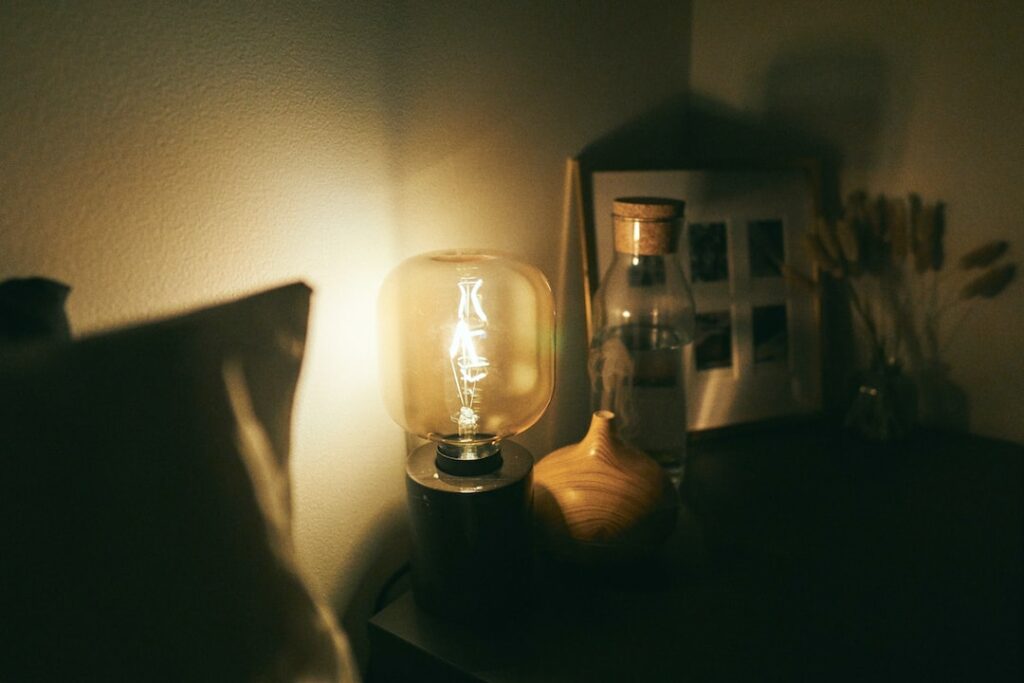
column 471, row 556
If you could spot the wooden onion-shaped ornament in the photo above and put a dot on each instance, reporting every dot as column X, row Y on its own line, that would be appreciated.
column 601, row 500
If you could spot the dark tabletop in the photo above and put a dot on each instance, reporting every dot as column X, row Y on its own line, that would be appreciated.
column 801, row 554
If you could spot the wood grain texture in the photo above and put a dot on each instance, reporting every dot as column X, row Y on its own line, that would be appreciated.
column 601, row 499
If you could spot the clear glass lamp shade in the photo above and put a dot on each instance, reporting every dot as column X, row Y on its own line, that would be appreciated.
column 467, row 346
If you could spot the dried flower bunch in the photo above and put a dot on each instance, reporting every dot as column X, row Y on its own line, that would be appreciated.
column 887, row 254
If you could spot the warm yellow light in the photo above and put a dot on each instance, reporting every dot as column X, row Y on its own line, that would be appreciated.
column 467, row 346
column 469, row 368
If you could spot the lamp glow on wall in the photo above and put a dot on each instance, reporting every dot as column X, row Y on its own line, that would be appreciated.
column 467, row 361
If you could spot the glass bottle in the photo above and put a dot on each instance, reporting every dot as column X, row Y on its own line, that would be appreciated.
column 643, row 316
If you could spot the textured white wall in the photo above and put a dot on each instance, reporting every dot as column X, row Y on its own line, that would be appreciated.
column 923, row 97
column 159, row 155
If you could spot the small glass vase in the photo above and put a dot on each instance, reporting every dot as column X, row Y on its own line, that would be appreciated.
column 884, row 409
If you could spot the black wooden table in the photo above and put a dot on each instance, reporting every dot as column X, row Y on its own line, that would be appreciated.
column 801, row 554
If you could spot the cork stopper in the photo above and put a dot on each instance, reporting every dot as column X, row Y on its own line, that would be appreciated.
column 646, row 226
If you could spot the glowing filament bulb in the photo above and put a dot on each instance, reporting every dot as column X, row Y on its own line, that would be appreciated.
column 467, row 348
column 468, row 366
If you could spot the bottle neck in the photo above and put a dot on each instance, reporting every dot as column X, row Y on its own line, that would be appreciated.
column 645, row 271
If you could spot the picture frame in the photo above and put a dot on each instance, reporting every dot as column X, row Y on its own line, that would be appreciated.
column 756, row 354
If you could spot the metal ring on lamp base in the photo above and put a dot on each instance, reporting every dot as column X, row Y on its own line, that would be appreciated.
column 451, row 459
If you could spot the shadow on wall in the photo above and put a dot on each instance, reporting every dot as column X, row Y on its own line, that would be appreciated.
column 383, row 555
column 857, row 99
column 693, row 131
column 887, row 255
column 851, row 96
column 843, row 106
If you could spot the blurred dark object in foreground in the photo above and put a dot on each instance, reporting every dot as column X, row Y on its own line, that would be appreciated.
column 33, row 309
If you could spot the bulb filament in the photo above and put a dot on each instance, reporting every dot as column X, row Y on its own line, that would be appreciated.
column 468, row 366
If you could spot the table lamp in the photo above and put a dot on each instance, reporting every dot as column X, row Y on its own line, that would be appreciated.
column 467, row 353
